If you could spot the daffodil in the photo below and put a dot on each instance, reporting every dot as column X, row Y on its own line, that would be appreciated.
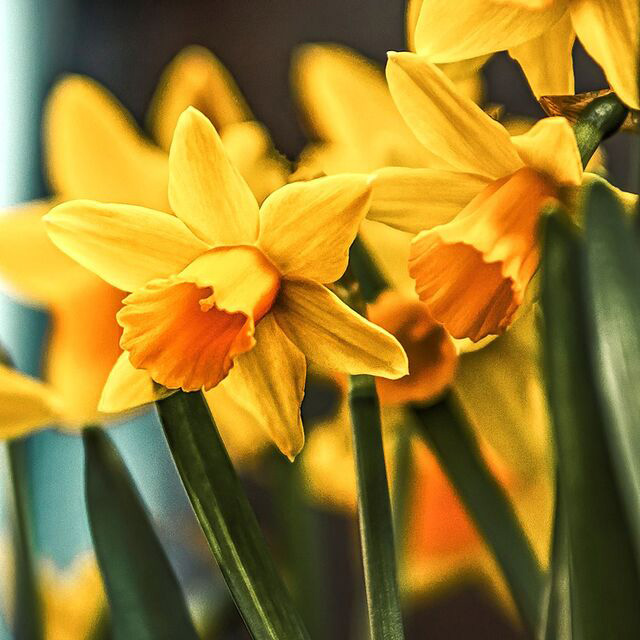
column 500, row 389
column 94, row 150
column 224, row 294
column 349, row 111
column 25, row 404
column 475, row 211
column 540, row 35
column 73, row 600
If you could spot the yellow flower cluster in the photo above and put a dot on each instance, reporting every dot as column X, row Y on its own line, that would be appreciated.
column 197, row 259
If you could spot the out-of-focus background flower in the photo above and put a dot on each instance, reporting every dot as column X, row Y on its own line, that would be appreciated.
column 125, row 46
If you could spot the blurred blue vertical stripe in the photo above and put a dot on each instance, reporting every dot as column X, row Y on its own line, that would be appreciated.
column 36, row 42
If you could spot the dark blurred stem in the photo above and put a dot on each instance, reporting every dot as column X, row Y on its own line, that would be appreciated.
column 302, row 544
column 402, row 481
column 28, row 623
column 374, row 509
column 374, row 505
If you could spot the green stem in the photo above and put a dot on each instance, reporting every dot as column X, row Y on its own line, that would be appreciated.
column 28, row 623
column 601, row 119
column 450, row 438
column 374, row 509
column 402, row 482
column 227, row 519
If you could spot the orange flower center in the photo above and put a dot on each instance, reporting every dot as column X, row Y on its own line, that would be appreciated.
column 431, row 353
column 473, row 271
column 186, row 330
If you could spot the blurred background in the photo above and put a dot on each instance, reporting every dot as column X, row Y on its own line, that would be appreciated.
column 125, row 46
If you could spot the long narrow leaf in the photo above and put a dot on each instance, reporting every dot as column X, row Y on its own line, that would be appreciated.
column 613, row 290
column 27, row 622
column 604, row 581
column 227, row 519
column 557, row 618
column 374, row 509
column 143, row 592
column 445, row 431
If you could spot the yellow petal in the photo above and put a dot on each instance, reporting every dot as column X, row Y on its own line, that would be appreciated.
column 251, row 151
column 448, row 32
column 608, row 29
column 186, row 330
column 83, row 345
column 546, row 60
column 416, row 199
column 411, row 20
column 550, row 147
column 94, row 150
column 473, row 272
column 346, row 101
column 241, row 428
column 335, row 337
column 306, row 228
column 268, row 381
column 125, row 245
column 32, row 266
column 25, row 404
column 389, row 248
column 195, row 78
column 500, row 389
column 127, row 388
column 447, row 123
column 205, row 190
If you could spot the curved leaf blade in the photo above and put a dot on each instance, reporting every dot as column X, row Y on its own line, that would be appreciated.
column 605, row 589
column 227, row 519
column 144, row 595
column 613, row 291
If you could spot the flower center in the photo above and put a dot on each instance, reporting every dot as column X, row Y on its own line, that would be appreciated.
column 473, row 271
column 186, row 330
column 430, row 350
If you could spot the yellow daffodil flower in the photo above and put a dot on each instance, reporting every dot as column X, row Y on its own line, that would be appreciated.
column 476, row 210
column 348, row 109
column 539, row 34
column 225, row 292
column 73, row 599
column 94, row 150
column 25, row 404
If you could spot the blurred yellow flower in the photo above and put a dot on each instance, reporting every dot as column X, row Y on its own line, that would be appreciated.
column 94, row 150
column 539, row 34
column 25, row 404
column 348, row 109
column 73, row 599
column 475, row 211
column 225, row 291
column 499, row 388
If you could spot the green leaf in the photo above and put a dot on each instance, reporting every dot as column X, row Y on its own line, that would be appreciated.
column 605, row 590
column 27, row 622
column 143, row 592
column 227, row 519
column 613, row 290
column 374, row 509
column 445, row 431
column 556, row 624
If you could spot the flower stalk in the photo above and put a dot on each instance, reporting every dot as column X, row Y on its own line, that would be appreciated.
column 364, row 283
column 227, row 519
column 599, row 120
